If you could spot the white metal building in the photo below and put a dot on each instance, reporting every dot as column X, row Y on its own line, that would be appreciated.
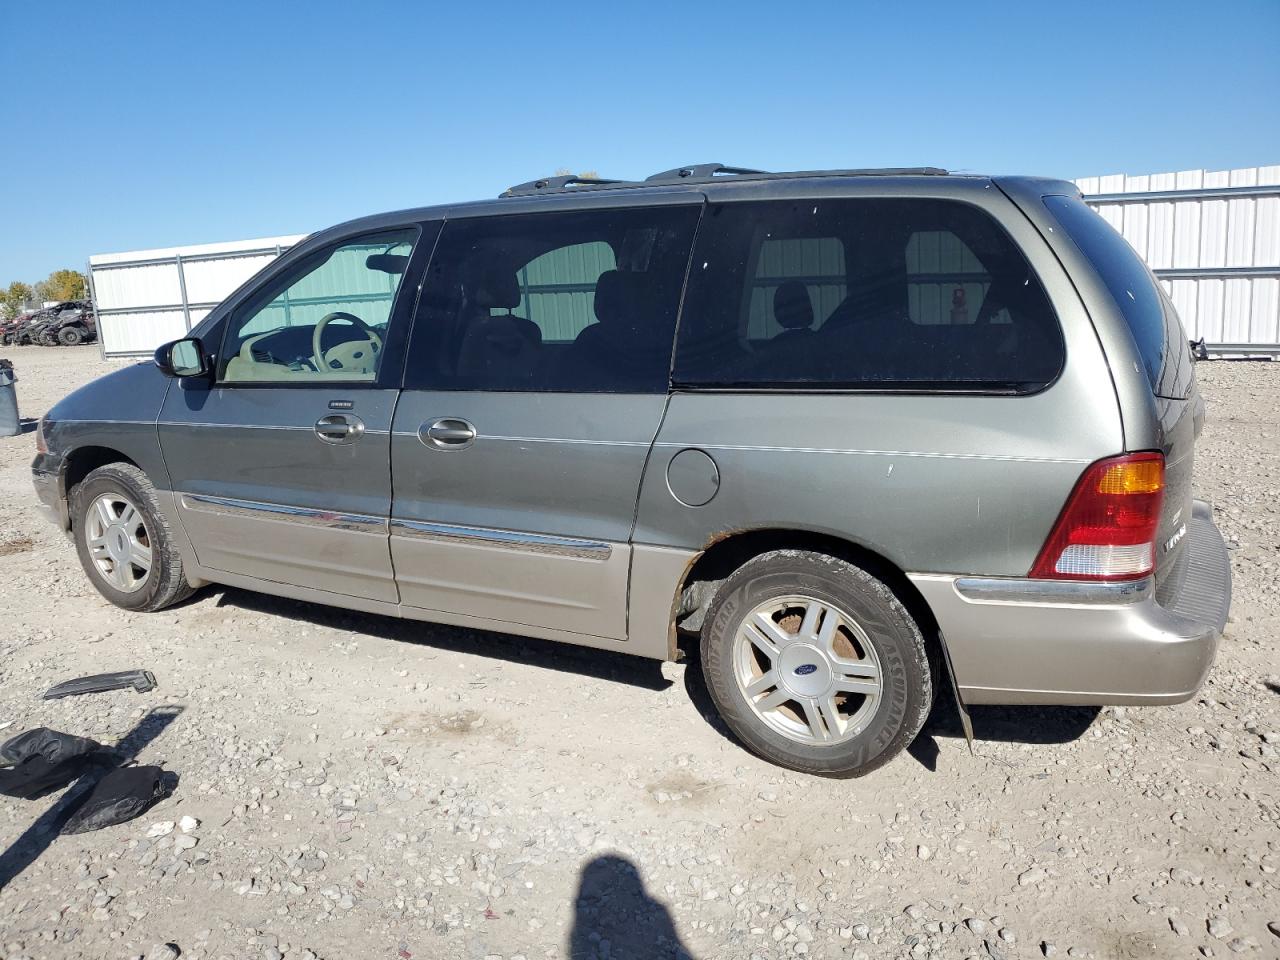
column 1212, row 237
column 147, row 297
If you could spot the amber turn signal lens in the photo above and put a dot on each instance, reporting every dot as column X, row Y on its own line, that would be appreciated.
column 1133, row 476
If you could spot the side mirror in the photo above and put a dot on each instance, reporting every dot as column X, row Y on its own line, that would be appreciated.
column 182, row 358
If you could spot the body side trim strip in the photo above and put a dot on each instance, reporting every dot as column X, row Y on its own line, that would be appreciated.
column 361, row 522
column 513, row 539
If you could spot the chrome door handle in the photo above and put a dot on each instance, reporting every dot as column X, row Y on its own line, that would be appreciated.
column 448, row 433
column 339, row 428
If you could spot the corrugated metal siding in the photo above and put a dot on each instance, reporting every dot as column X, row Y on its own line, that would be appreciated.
column 139, row 295
column 1200, row 234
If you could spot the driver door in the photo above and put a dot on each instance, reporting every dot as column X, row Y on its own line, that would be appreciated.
column 280, row 466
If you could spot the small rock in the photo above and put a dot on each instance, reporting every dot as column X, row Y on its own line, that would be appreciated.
column 164, row 951
column 923, row 852
column 1007, row 935
column 1048, row 949
column 977, row 926
column 161, row 829
column 187, row 824
column 1218, row 928
column 1033, row 876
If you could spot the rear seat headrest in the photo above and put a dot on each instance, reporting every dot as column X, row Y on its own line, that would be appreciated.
column 615, row 292
column 792, row 307
column 494, row 288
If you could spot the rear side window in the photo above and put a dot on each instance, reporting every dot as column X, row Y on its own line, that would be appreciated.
column 875, row 294
column 1151, row 318
column 576, row 302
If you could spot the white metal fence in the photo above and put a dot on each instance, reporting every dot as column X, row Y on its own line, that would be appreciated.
column 1213, row 239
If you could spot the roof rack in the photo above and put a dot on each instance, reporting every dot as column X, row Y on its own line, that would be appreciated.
column 550, row 184
column 702, row 172
column 699, row 171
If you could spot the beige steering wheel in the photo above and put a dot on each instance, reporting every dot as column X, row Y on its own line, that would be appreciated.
column 354, row 356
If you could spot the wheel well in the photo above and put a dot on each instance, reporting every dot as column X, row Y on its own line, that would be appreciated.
column 727, row 554
column 84, row 460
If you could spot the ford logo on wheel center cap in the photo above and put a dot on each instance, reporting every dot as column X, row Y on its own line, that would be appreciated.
column 805, row 669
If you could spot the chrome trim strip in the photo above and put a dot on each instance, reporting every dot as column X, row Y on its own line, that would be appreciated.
column 513, row 539
column 1008, row 590
column 870, row 453
column 488, row 436
column 307, row 516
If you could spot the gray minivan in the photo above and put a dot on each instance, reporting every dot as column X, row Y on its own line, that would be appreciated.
column 852, row 435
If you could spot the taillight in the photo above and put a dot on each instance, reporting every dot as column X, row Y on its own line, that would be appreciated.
column 42, row 442
column 1107, row 530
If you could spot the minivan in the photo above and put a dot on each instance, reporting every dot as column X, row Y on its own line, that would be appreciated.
column 852, row 436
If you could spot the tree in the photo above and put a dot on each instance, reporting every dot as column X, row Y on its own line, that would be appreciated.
column 62, row 285
column 13, row 299
column 585, row 174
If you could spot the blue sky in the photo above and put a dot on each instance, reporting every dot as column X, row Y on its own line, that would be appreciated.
column 152, row 125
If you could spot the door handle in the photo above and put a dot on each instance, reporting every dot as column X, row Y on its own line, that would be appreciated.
column 448, row 433
column 339, row 428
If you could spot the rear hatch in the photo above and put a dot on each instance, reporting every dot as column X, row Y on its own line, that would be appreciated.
column 1167, row 365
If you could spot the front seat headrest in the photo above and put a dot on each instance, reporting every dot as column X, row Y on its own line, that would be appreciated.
column 792, row 307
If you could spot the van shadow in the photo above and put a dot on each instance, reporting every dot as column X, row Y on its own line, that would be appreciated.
column 544, row 654
column 1037, row 725
column 614, row 916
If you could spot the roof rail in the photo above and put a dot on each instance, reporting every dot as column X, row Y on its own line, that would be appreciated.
column 548, row 184
column 699, row 171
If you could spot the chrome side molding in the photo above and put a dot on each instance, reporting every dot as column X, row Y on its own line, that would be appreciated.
column 511, row 539
column 1011, row 590
column 304, row 515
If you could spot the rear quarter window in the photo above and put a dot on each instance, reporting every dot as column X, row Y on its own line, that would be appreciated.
column 863, row 293
column 1147, row 311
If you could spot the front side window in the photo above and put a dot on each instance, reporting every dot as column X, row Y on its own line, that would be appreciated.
column 325, row 320
column 863, row 293
column 579, row 302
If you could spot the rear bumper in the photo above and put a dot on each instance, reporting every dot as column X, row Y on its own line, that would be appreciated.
column 1027, row 641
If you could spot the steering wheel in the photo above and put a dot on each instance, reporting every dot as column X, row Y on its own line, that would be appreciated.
column 356, row 356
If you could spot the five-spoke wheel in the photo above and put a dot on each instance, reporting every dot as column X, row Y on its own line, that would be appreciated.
column 815, row 663
column 807, row 669
column 118, row 542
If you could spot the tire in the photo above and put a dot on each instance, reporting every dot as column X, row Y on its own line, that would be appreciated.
column 796, row 714
column 71, row 336
column 126, row 583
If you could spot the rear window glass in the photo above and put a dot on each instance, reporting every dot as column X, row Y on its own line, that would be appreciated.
column 1148, row 313
column 863, row 293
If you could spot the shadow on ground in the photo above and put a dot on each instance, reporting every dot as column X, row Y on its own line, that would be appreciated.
column 38, row 837
column 614, row 916
column 545, row 654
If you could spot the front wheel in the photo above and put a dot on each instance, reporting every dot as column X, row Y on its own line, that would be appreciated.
column 71, row 336
column 124, row 542
column 815, row 664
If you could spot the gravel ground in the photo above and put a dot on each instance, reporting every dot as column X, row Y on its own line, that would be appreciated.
column 366, row 787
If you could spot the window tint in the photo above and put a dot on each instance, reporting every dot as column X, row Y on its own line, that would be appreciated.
column 571, row 302
column 1151, row 318
column 875, row 293
column 326, row 320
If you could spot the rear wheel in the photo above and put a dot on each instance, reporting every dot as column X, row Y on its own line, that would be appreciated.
column 815, row 664
column 125, row 544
